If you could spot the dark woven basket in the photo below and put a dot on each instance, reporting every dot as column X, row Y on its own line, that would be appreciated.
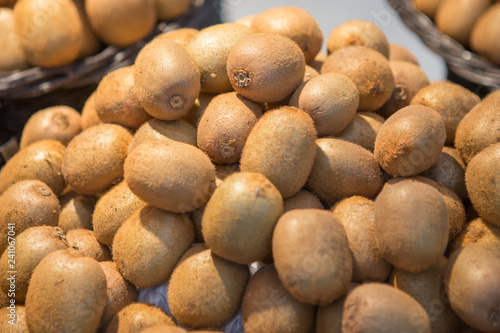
column 25, row 92
column 465, row 67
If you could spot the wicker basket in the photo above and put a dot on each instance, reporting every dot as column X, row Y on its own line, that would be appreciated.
column 25, row 92
column 464, row 66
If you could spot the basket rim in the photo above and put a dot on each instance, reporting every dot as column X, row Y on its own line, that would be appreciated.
column 461, row 61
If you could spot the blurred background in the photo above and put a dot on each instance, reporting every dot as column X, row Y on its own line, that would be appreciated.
column 332, row 13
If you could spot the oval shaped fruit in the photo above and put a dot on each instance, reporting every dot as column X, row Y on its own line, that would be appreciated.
column 17, row 325
column 167, row 79
column 300, row 200
column 476, row 231
column 239, row 218
column 83, row 243
column 254, row 66
column 183, row 175
column 411, row 225
column 182, row 36
column 12, row 57
column 89, row 115
column 410, row 141
column 137, row 316
column 319, row 269
column 281, row 147
column 94, row 159
column 483, row 36
column 363, row 129
column 400, row 53
column 149, row 244
column 76, row 211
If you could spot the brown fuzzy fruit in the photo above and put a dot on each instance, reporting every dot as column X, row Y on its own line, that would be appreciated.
column 205, row 290
column 294, row 23
column 40, row 161
column 268, row 307
column 343, row 169
column 368, row 69
column 330, row 99
column 91, row 44
column 255, row 65
column 482, row 178
column 183, row 176
column 357, row 216
column 196, row 112
column 301, row 200
column 225, row 126
column 137, row 316
column 94, row 159
column 66, row 294
column 76, row 211
column 167, row 79
column 363, row 129
column 12, row 57
column 89, row 115
column 182, row 36
column 358, row 33
column 31, row 246
column 13, row 322
column 477, row 231
column 115, row 100
column 483, row 39
column 319, row 269
column 400, row 53
column 281, row 147
column 148, row 245
column 82, row 243
column 411, row 225
column 410, row 141
column 26, row 204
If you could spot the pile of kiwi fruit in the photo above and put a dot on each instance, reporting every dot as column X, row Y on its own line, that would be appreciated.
column 58, row 32
column 262, row 181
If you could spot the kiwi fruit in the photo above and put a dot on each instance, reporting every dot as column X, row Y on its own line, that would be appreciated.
column 363, row 129
column 121, row 23
column 135, row 317
column 256, row 80
column 477, row 304
column 89, row 116
column 357, row 216
column 401, row 53
column 450, row 100
column 66, row 294
column 476, row 231
column 281, row 147
column 493, row 95
column 50, row 36
column 149, row 243
column 239, row 218
column 170, row 175
column 478, row 129
column 31, row 246
column 167, row 79
column 483, row 36
column 409, row 80
column 225, row 126
column 377, row 307
column 449, row 170
column 115, row 100
column 482, row 179
column 26, row 204
column 301, row 200
column 83, row 243
column 456, row 18
column 182, row 36
column 268, row 307
column 111, row 211
column 319, row 270
column 368, row 69
column 428, row 7
column 294, row 23
column 156, row 129
column 60, row 123
column 91, row 44
column 94, row 159
column 318, row 61
column 407, row 215
column 205, row 291
column 120, row 292
column 12, row 57
column 76, row 211
column 167, row 329
column 342, row 169
column 358, row 33
column 13, row 322
column 404, row 150
column 171, row 9
column 329, row 318
column 428, row 289
column 210, row 50
column 39, row 161
column 330, row 99
column 246, row 20
column 196, row 112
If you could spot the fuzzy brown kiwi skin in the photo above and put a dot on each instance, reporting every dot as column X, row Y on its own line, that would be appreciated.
column 76, row 211
column 89, row 114
column 476, row 231
column 19, row 325
column 12, row 57
column 182, row 36
column 83, row 243
column 475, row 302
column 482, row 179
column 137, row 316
column 483, row 36
column 363, row 129
column 26, row 204
column 41, row 161
column 31, row 247
column 400, row 53
column 301, row 200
